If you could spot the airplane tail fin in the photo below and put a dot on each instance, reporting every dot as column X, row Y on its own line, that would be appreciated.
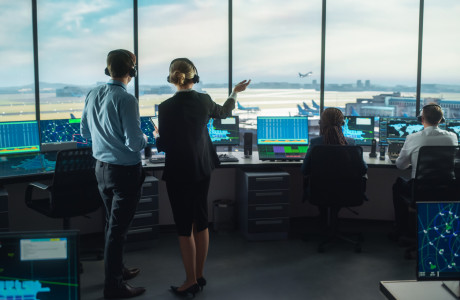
column 315, row 105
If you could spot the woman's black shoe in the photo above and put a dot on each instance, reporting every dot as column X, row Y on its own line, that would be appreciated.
column 201, row 282
column 191, row 290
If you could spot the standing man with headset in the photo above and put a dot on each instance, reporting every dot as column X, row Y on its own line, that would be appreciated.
column 430, row 116
column 111, row 120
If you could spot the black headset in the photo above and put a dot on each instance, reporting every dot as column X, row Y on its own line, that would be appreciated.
column 195, row 78
column 419, row 117
column 132, row 71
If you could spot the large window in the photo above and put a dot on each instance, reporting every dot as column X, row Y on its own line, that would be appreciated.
column 74, row 37
column 441, row 55
column 17, row 100
column 278, row 46
column 197, row 30
column 371, row 56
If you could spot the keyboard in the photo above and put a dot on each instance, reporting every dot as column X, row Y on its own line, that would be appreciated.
column 157, row 159
column 223, row 157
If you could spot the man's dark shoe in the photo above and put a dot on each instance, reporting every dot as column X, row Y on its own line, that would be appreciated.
column 130, row 273
column 125, row 291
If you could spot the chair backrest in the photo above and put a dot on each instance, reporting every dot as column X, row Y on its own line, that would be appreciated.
column 74, row 191
column 337, row 176
column 435, row 174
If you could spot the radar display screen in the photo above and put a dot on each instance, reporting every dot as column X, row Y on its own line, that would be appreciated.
column 224, row 132
column 438, row 240
column 360, row 129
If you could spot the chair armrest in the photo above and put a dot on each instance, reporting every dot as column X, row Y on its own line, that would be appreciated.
column 34, row 185
column 39, row 185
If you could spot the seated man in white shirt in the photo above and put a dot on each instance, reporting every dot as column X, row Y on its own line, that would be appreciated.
column 430, row 116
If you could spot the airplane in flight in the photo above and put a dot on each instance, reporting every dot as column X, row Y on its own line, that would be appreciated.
column 305, row 75
column 247, row 108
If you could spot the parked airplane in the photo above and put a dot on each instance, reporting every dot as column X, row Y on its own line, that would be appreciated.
column 308, row 107
column 315, row 106
column 252, row 108
column 305, row 75
column 307, row 111
column 304, row 112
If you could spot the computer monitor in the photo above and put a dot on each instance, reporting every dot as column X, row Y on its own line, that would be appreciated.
column 438, row 241
column 60, row 132
column 224, row 132
column 360, row 129
column 396, row 129
column 19, row 137
column 454, row 126
column 148, row 129
column 39, row 265
column 282, row 138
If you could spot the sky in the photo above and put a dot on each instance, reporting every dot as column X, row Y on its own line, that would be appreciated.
column 365, row 39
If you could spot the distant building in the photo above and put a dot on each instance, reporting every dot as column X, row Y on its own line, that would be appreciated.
column 69, row 91
column 359, row 84
column 367, row 84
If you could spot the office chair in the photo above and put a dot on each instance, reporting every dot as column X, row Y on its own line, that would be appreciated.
column 336, row 181
column 435, row 179
column 73, row 191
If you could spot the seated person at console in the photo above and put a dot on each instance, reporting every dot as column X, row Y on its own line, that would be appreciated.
column 430, row 116
column 330, row 129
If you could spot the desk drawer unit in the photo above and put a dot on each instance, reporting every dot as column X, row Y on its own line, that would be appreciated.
column 145, row 225
column 263, row 204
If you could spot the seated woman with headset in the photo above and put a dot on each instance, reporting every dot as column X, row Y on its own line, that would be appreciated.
column 330, row 128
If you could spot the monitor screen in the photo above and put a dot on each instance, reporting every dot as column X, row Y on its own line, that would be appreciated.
column 19, row 137
column 454, row 126
column 39, row 265
column 282, row 130
column 148, row 129
column 360, row 129
column 224, row 132
column 62, row 131
column 397, row 128
column 438, row 240
column 282, row 138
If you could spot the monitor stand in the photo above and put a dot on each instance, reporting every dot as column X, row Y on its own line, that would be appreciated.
column 453, row 287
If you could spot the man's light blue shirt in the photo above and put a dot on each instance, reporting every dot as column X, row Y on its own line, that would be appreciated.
column 111, row 120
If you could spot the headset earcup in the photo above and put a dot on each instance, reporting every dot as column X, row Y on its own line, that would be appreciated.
column 167, row 79
column 419, row 118
column 106, row 71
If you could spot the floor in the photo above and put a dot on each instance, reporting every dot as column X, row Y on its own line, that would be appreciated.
column 284, row 269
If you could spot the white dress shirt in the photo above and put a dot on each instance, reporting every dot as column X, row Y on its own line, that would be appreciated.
column 430, row 136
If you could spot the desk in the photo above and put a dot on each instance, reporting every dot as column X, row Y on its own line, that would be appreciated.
column 416, row 290
column 382, row 174
column 253, row 161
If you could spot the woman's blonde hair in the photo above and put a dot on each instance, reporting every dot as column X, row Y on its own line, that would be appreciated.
column 181, row 72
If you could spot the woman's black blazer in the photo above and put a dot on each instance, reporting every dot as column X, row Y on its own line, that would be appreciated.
column 184, row 137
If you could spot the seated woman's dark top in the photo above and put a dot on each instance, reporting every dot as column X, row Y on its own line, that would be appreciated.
column 306, row 166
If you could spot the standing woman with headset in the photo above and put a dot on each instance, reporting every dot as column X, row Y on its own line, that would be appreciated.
column 190, row 159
